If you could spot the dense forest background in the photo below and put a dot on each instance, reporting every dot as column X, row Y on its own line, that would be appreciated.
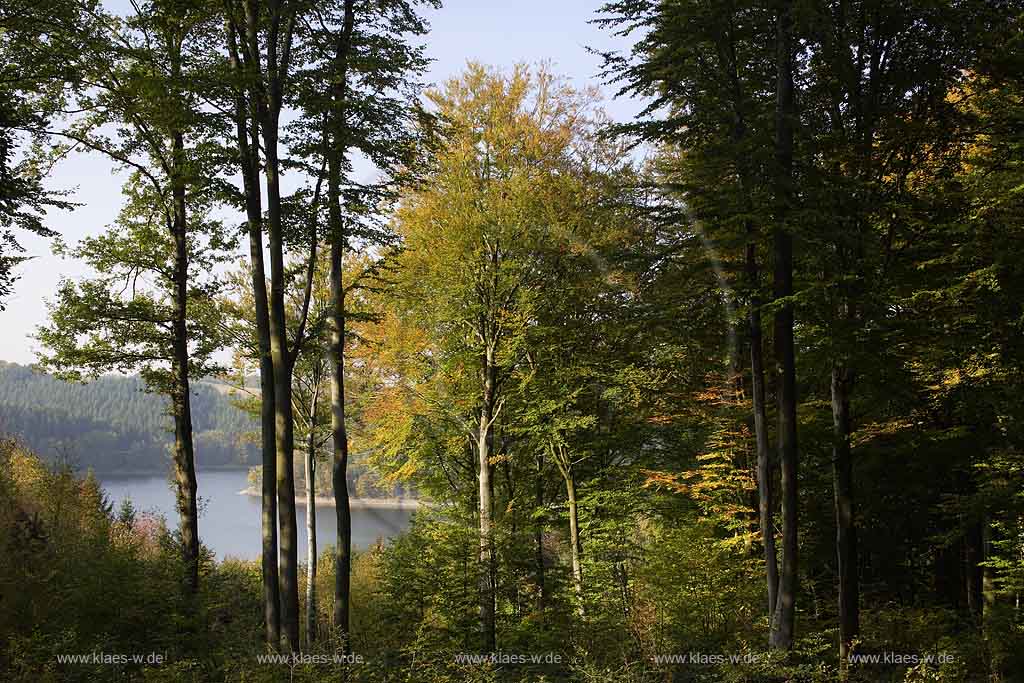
column 114, row 425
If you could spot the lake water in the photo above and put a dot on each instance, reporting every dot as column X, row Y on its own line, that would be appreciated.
column 229, row 523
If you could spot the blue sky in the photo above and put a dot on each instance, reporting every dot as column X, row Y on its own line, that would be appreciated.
column 495, row 32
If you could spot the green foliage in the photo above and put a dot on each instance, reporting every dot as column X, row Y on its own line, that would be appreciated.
column 123, row 320
column 64, row 557
column 27, row 100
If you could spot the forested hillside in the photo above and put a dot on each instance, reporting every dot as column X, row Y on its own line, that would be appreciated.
column 113, row 424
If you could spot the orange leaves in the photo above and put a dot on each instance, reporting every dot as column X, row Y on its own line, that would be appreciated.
column 721, row 481
column 665, row 480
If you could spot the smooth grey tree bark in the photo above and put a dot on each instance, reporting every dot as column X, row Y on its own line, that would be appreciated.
column 261, row 41
column 563, row 459
column 268, row 56
column 484, row 440
column 311, row 548
column 343, row 552
column 184, row 452
column 765, row 471
column 247, row 142
column 339, row 475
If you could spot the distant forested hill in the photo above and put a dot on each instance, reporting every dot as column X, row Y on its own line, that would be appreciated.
column 112, row 424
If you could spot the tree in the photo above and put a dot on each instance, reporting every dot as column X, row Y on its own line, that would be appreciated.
column 246, row 140
column 138, row 76
column 33, row 70
column 509, row 213
column 126, row 320
column 363, row 50
column 483, row 182
column 705, row 71
column 885, row 77
column 782, row 289
column 310, row 379
column 261, row 42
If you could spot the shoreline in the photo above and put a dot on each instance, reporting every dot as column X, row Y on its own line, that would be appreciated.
column 158, row 472
column 384, row 503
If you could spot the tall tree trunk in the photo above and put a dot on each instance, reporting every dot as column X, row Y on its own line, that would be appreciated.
column 268, row 98
column 311, row 549
column 247, row 134
column 268, row 439
column 335, row 150
column 988, row 579
column 343, row 556
column 539, row 540
column 486, row 492
column 765, row 471
column 846, row 532
column 284, row 426
column 782, row 626
column 268, row 442
column 574, row 539
column 765, row 474
column 184, row 468
column 268, row 433
column 184, row 454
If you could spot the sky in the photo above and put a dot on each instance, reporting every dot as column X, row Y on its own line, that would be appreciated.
column 495, row 32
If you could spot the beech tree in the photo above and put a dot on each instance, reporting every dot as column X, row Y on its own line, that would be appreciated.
column 865, row 58
column 140, row 76
column 35, row 68
column 282, row 55
column 470, row 205
column 126, row 319
column 706, row 70
column 261, row 41
column 364, row 50
column 482, row 237
column 310, row 379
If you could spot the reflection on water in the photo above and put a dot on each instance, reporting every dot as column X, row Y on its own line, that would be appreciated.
column 229, row 523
